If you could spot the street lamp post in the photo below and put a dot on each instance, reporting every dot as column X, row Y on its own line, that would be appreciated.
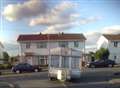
column 49, row 61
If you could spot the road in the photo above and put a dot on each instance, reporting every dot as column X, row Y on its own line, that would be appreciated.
column 91, row 78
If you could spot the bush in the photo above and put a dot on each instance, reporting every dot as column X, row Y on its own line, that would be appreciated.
column 1, row 66
column 102, row 53
column 5, row 66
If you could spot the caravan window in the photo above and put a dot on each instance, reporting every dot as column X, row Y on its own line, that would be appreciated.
column 54, row 61
column 75, row 62
column 65, row 62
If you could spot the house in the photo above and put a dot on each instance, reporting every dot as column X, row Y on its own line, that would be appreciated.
column 112, row 43
column 34, row 48
column 1, row 53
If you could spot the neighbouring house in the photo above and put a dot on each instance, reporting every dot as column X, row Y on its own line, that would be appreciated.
column 112, row 43
column 1, row 53
column 34, row 48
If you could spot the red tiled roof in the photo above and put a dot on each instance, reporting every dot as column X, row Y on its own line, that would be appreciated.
column 35, row 37
column 112, row 36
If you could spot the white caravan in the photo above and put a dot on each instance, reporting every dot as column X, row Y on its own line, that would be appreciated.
column 64, row 64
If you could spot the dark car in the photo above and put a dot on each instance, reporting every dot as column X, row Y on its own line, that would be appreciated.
column 102, row 63
column 25, row 67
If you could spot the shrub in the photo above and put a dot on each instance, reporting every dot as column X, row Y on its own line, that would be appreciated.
column 5, row 66
column 1, row 66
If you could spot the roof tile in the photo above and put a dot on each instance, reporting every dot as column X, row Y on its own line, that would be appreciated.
column 35, row 37
column 112, row 36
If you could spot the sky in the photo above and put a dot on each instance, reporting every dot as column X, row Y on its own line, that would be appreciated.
column 90, row 17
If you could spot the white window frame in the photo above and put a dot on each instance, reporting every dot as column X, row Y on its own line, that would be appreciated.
column 42, row 45
column 28, row 45
column 75, row 62
column 63, row 44
column 76, row 43
column 65, row 62
column 115, row 43
column 55, row 61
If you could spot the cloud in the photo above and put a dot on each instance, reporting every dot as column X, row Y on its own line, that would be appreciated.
column 12, row 49
column 30, row 8
column 70, row 21
column 62, row 17
column 115, row 29
column 59, row 17
column 1, row 39
column 58, row 28
column 60, row 14
column 90, row 19
column 92, row 37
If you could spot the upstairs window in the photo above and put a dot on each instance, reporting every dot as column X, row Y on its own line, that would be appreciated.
column 116, row 44
column 63, row 44
column 27, row 45
column 41, row 45
column 76, row 44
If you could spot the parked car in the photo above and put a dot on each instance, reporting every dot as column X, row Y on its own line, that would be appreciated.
column 102, row 63
column 25, row 67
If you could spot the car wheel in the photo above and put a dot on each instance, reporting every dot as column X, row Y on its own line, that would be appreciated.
column 92, row 66
column 110, row 65
column 36, row 70
column 17, row 71
column 52, row 78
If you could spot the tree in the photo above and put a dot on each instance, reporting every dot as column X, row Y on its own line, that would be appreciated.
column 6, row 57
column 13, row 59
column 92, row 56
column 102, row 54
column 106, row 54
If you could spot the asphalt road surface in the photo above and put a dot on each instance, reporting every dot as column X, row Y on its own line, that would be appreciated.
column 91, row 78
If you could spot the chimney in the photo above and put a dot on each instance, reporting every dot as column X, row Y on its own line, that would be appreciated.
column 62, row 33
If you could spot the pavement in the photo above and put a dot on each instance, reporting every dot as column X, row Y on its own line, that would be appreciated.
column 90, row 78
column 8, row 85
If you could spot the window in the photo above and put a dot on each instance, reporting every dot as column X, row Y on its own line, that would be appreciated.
column 63, row 44
column 41, row 60
column 54, row 61
column 115, row 44
column 65, row 62
column 27, row 45
column 76, row 44
column 75, row 62
column 41, row 45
